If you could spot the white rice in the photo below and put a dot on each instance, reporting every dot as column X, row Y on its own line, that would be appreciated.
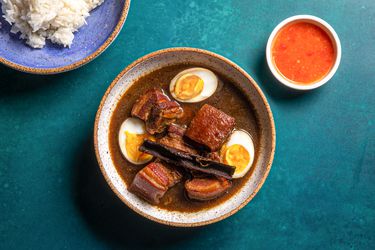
column 56, row 20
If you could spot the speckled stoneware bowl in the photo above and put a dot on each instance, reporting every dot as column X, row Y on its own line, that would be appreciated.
column 103, row 26
column 242, row 81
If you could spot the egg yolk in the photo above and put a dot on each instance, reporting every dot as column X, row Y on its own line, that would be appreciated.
column 132, row 144
column 188, row 86
column 236, row 155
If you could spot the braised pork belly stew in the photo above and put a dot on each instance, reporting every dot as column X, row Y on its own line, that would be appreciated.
column 184, row 138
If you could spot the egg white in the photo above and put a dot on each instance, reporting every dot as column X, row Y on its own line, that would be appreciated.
column 243, row 138
column 134, row 126
column 210, row 83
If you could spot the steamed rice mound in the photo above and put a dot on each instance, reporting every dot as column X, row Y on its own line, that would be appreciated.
column 38, row 20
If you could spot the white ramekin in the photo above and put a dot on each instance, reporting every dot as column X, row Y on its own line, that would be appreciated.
column 322, row 24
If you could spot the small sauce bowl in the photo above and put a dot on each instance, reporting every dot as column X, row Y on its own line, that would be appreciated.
column 319, row 23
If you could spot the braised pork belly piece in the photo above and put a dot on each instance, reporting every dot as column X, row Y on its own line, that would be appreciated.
column 162, row 115
column 176, row 131
column 208, row 188
column 145, row 102
column 210, row 127
column 174, row 139
column 154, row 180
column 157, row 110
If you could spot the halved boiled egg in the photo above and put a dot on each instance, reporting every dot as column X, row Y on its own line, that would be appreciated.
column 238, row 152
column 131, row 135
column 193, row 85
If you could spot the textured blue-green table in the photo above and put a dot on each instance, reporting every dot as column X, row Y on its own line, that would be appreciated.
column 321, row 189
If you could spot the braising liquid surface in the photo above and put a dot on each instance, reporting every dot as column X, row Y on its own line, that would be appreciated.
column 227, row 98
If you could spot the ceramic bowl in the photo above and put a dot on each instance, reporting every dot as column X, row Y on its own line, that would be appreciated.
column 240, row 79
column 103, row 26
column 320, row 23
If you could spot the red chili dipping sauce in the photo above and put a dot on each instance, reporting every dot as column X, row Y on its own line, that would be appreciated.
column 303, row 52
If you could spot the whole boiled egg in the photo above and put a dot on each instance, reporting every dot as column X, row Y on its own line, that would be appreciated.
column 131, row 135
column 193, row 85
column 238, row 152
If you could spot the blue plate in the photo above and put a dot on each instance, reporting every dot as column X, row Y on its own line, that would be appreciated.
column 103, row 25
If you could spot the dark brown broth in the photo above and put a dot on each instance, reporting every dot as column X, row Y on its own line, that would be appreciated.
column 227, row 98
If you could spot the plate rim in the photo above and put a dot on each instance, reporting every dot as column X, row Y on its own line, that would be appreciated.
column 80, row 63
column 236, row 67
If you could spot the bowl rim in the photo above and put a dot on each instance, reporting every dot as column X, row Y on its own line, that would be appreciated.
column 80, row 63
column 241, row 71
column 327, row 28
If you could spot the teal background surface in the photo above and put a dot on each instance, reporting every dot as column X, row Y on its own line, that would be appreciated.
column 321, row 189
